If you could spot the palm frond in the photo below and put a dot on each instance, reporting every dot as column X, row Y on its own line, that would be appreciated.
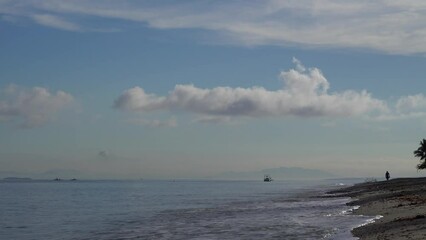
column 421, row 153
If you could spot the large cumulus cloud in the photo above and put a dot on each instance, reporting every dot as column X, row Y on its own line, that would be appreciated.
column 305, row 93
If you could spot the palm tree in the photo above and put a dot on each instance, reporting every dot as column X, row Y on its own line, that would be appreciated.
column 421, row 153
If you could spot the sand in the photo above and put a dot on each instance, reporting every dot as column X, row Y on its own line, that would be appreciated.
column 401, row 202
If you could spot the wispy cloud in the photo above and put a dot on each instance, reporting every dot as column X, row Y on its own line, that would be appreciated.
column 390, row 26
column 55, row 22
column 305, row 94
column 154, row 123
column 31, row 107
column 214, row 119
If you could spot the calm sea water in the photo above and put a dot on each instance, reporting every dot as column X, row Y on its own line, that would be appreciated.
column 173, row 210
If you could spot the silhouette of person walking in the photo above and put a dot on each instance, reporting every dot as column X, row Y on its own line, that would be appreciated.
column 387, row 175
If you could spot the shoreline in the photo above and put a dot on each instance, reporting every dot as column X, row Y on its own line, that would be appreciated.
column 401, row 203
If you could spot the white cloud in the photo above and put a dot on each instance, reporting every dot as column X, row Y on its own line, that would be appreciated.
column 385, row 25
column 406, row 107
column 136, row 98
column 31, row 107
column 55, row 22
column 411, row 103
column 305, row 94
column 154, row 123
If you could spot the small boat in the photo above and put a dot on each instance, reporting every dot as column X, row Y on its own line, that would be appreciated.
column 267, row 178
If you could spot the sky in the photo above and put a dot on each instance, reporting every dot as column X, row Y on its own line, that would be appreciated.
column 189, row 89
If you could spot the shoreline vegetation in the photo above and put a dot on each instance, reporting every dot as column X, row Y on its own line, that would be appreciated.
column 401, row 203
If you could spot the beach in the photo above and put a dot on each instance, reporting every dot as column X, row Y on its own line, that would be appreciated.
column 399, row 206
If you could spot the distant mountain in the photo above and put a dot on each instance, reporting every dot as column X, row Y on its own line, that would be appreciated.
column 8, row 174
column 61, row 173
column 282, row 173
column 51, row 174
column 17, row 179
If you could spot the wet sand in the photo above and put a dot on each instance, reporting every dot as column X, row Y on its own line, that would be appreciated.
column 401, row 202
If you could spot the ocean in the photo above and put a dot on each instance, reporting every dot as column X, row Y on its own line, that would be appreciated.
column 180, row 209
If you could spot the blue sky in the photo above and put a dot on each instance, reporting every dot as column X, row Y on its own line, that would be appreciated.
column 182, row 89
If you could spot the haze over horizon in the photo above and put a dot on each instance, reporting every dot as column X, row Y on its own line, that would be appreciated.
column 190, row 89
